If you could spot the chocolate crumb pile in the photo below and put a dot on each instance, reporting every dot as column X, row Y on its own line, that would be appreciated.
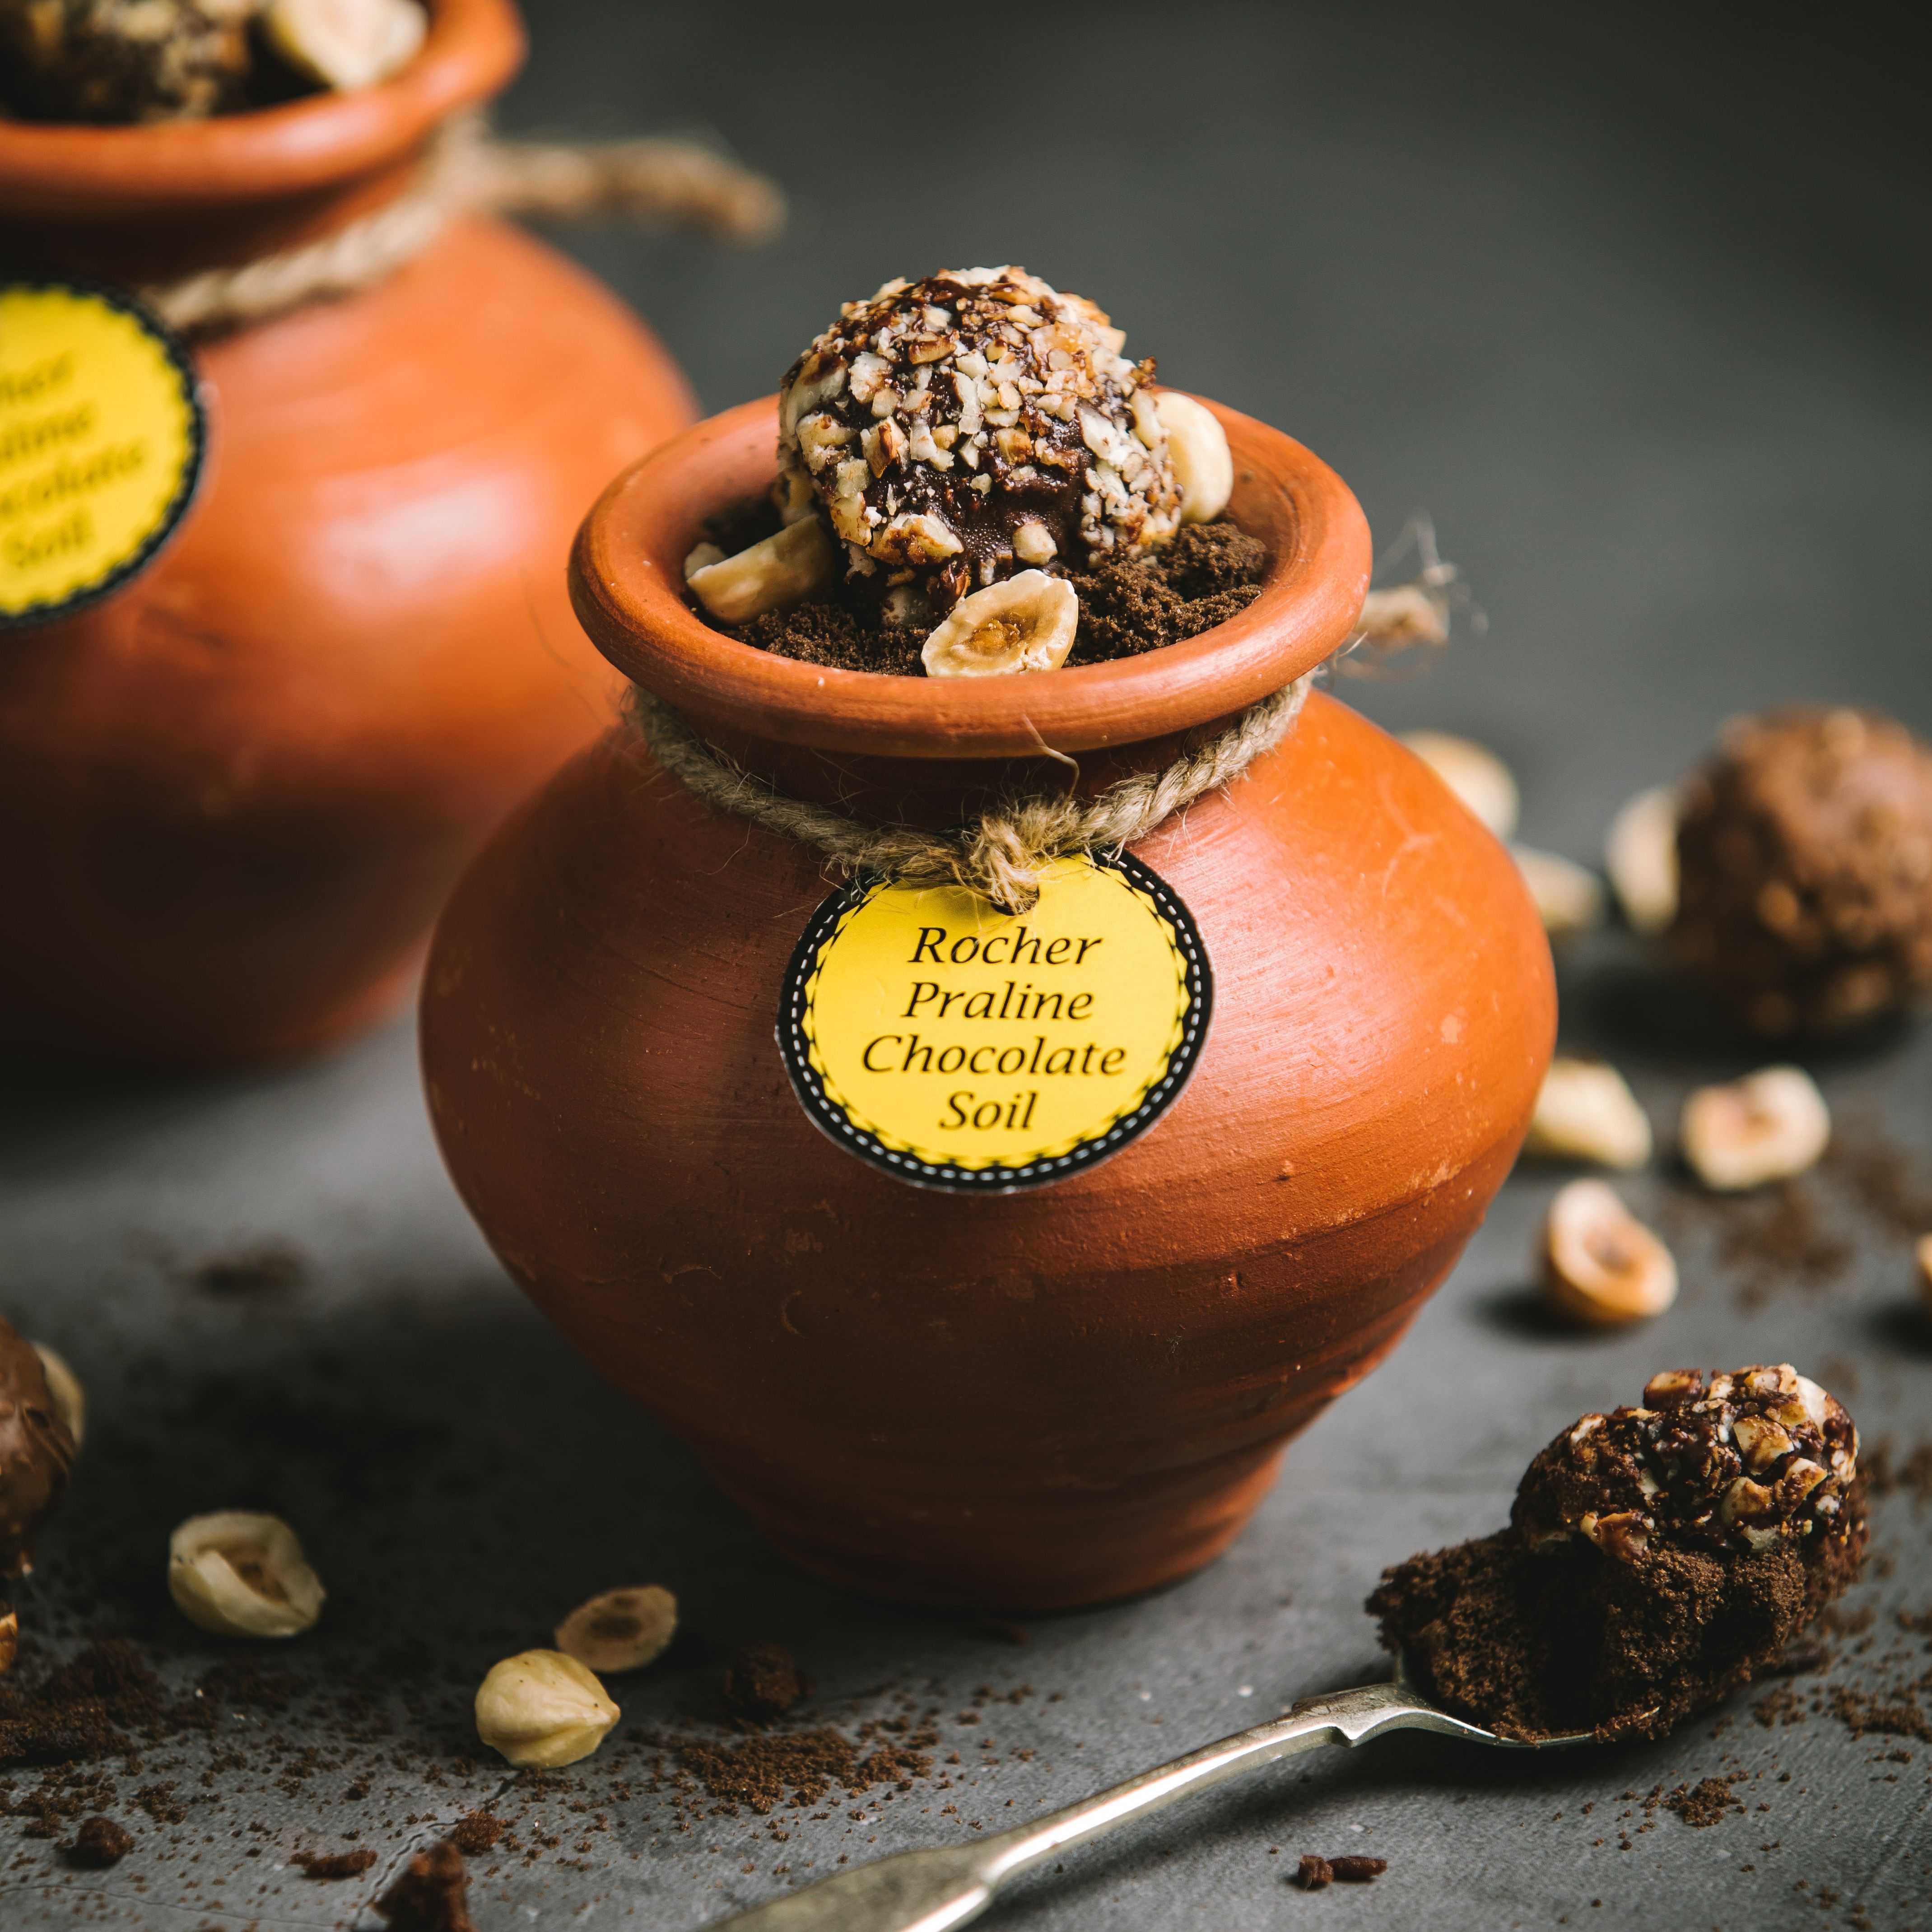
column 99, row 1844
column 1657, row 1559
column 336, row 1864
column 1208, row 574
column 762, row 1680
column 1804, row 855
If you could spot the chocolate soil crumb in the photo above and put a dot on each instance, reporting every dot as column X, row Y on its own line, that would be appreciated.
column 1705, row 1803
column 1209, row 573
column 758, row 1772
column 476, row 1834
column 431, row 1893
column 99, row 1844
column 1645, row 1574
column 1313, row 1873
column 336, row 1864
column 1356, row 1870
column 762, row 1680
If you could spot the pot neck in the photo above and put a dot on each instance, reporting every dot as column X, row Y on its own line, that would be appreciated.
column 157, row 202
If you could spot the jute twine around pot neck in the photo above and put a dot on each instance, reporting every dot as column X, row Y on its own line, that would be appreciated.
column 662, row 181
column 1002, row 856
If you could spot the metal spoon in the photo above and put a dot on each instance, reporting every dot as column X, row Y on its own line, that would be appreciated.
column 930, row 1891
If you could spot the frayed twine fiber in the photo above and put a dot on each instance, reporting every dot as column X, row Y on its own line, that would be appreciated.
column 667, row 182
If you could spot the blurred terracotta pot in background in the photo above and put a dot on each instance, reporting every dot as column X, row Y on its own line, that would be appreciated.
column 233, row 795
column 1046, row 1398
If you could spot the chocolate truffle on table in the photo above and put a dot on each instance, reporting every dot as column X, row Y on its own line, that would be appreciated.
column 36, row 1452
column 1657, row 1558
column 1804, row 865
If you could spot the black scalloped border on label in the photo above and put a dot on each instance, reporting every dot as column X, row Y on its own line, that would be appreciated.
column 182, row 360
column 831, row 1119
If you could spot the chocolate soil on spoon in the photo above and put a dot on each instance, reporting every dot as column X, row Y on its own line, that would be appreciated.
column 1657, row 1558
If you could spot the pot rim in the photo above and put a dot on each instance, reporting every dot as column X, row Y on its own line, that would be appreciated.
column 627, row 583
column 76, row 169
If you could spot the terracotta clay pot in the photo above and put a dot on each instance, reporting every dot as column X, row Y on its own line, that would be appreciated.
column 233, row 795
column 1046, row 1398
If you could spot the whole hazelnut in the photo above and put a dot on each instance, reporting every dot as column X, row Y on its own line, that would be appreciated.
column 541, row 1707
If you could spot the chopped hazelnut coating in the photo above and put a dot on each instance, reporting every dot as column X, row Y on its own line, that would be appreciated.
column 1759, row 1456
column 956, row 430
column 1805, row 856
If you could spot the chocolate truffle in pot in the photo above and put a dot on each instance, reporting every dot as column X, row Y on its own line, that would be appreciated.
column 112, row 61
column 955, row 431
column 36, row 1452
column 1805, row 859
column 1657, row 1558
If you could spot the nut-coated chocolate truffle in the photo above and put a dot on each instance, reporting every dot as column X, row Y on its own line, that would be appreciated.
column 36, row 1452
column 956, row 430
column 1804, row 856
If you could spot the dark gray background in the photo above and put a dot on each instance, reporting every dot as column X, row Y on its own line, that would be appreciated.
column 1639, row 318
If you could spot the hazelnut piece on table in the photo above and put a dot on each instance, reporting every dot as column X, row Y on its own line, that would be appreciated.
column 1921, row 1251
column 36, row 1452
column 542, row 1709
column 1600, row 1264
column 241, row 1573
column 1640, row 855
column 620, row 1629
column 1568, row 896
column 1586, row 1111
column 1768, row 1126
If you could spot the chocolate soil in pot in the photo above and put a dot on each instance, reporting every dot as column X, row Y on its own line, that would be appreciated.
column 1050, row 1397
column 236, row 790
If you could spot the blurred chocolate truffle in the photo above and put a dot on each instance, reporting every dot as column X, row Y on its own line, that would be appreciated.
column 955, row 431
column 36, row 1452
column 1804, row 857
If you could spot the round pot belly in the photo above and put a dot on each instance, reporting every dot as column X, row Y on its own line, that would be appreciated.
column 1042, row 1399
column 234, row 794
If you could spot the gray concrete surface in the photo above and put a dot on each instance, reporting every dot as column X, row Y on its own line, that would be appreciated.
column 1640, row 320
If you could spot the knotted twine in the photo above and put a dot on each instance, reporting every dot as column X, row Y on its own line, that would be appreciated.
column 655, row 181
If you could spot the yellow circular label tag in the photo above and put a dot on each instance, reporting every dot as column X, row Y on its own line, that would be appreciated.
column 101, row 441
column 960, row 1047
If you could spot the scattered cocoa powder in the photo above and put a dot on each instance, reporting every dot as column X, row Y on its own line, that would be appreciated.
column 431, row 1893
column 758, row 1772
column 99, row 1844
column 1705, row 1803
column 336, row 1864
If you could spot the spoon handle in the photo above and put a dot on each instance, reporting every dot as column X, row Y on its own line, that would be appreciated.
column 930, row 1891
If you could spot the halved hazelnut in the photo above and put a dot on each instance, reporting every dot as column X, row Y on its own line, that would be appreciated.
column 70, row 1398
column 1640, row 855
column 1921, row 1250
column 345, row 44
column 1027, row 623
column 239, row 1573
column 1601, row 1265
column 1586, row 1112
column 620, row 1629
column 1568, row 897
column 1473, row 773
column 1768, row 1126
column 1197, row 446
column 541, row 1707
column 771, row 575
